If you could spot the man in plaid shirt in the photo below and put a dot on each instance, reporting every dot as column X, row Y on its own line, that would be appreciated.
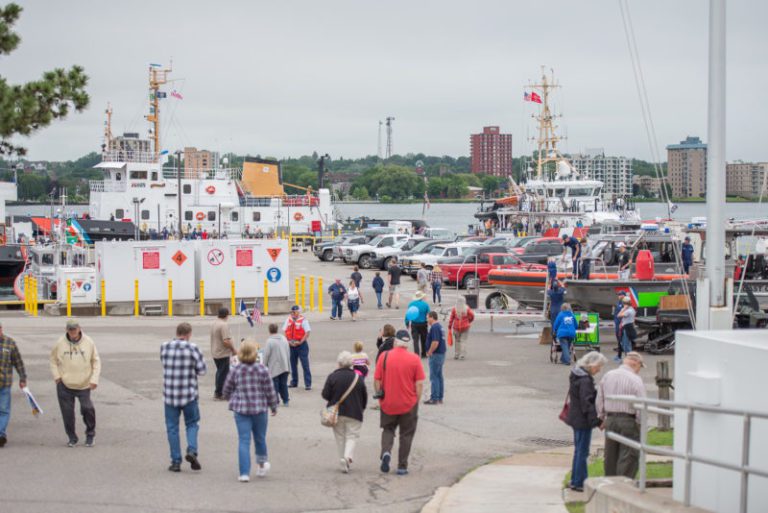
column 182, row 364
column 9, row 358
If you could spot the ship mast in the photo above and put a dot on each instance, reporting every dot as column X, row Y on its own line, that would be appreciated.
column 157, row 77
column 107, row 130
column 547, row 139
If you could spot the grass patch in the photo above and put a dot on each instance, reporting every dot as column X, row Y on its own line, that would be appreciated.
column 656, row 437
column 575, row 507
column 655, row 470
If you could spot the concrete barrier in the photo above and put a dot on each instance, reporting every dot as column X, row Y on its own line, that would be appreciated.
column 619, row 494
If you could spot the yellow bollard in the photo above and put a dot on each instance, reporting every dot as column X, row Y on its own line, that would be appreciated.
column 232, row 299
column 35, row 298
column 296, row 292
column 69, row 298
column 266, row 297
column 26, row 293
column 290, row 242
column 311, row 293
column 135, row 298
column 103, row 299
column 303, row 292
column 202, row 298
column 320, row 294
column 170, row 298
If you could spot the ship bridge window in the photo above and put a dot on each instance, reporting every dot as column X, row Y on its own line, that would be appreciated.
column 187, row 188
column 188, row 215
column 211, row 215
column 145, row 214
column 154, row 176
column 234, row 217
column 47, row 259
column 257, row 216
column 118, row 176
column 560, row 192
column 580, row 192
column 119, row 213
column 138, row 175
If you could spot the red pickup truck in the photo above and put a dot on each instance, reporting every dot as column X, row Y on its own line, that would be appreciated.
column 461, row 272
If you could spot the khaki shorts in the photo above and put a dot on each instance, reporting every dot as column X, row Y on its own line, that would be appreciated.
column 393, row 288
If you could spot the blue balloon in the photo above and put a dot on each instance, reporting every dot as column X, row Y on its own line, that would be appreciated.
column 411, row 314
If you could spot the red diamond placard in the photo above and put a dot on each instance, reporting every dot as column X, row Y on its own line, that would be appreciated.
column 179, row 257
column 274, row 253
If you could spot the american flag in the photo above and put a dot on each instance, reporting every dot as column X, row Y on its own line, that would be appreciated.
column 256, row 314
column 177, row 94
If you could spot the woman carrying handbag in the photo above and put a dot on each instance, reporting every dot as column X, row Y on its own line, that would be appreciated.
column 347, row 398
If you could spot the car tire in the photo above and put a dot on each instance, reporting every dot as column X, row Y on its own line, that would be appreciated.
column 386, row 263
column 364, row 262
column 496, row 301
column 466, row 278
column 327, row 255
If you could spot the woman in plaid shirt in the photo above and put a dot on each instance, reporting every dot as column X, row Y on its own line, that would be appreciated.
column 250, row 393
column 436, row 279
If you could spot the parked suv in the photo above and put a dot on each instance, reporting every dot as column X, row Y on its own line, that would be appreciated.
column 539, row 250
column 383, row 256
column 382, row 260
column 437, row 254
column 363, row 254
column 324, row 250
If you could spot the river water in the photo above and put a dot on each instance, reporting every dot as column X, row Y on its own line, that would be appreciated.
column 458, row 216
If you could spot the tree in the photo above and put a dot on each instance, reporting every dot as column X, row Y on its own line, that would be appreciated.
column 360, row 193
column 28, row 107
column 32, row 187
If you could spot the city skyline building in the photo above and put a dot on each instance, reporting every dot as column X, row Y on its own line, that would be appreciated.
column 745, row 179
column 614, row 172
column 196, row 161
column 491, row 152
column 687, row 168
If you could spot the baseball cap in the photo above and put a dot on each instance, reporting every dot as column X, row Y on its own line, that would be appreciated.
column 403, row 336
column 621, row 245
column 687, row 238
column 564, row 237
column 295, row 308
column 634, row 355
column 71, row 325
column 621, row 293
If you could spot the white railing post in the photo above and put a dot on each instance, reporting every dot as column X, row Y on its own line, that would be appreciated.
column 688, row 462
column 643, row 441
column 745, row 441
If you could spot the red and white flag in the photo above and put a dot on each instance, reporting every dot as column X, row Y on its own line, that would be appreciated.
column 532, row 97
column 178, row 95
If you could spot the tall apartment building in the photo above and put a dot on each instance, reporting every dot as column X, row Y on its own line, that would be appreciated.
column 649, row 184
column 491, row 152
column 687, row 168
column 745, row 179
column 130, row 147
column 196, row 162
column 614, row 172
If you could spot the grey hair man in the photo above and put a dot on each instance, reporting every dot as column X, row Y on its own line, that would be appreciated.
column 620, row 417
column 10, row 358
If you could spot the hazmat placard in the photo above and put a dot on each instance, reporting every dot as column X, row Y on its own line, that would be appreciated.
column 150, row 259
column 244, row 257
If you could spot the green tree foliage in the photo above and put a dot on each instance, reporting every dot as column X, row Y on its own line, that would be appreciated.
column 391, row 182
column 298, row 174
column 28, row 107
column 360, row 193
column 644, row 168
column 33, row 187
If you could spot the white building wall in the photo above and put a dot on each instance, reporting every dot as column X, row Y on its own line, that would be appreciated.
column 614, row 172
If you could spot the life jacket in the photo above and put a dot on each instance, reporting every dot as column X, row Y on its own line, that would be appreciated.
column 295, row 329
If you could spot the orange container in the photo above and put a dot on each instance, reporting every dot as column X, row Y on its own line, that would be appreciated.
column 644, row 267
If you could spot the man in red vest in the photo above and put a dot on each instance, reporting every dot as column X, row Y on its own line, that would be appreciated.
column 296, row 329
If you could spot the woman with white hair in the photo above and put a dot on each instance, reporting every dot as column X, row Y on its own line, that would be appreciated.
column 345, row 388
column 582, row 413
column 565, row 332
column 459, row 323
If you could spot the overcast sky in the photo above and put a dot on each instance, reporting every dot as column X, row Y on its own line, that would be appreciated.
column 285, row 78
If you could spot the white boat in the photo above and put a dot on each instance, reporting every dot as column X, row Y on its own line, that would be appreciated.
column 138, row 185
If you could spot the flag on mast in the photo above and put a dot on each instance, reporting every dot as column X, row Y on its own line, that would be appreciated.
column 244, row 312
column 256, row 314
column 178, row 95
column 531, row 97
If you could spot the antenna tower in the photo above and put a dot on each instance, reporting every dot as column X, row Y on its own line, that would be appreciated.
column 107, row 129
column 157, row 77
column 389, row 137
column 378, row 148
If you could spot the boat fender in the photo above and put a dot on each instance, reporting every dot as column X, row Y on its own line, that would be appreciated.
column 210, row 189
column 199, row 216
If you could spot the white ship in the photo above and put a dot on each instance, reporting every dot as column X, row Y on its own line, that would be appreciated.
column 139, row 185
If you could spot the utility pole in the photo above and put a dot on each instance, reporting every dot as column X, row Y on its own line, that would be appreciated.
column 321, row 171
column 389, row 137
column 378, row 148
column 178, row 181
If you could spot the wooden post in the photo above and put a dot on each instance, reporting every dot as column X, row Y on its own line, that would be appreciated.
column 311, row 293
column 202, row 298
column 320, row 294
column 69, row 298
column 232, row 298
column 170, row 298
column 266, row 297
column 664, row 382
column 135, row 298
column 103, row 299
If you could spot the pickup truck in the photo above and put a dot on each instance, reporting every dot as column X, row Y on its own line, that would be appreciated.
column 462, row 272
column 538, row 251
column 437, row 254
column 384, row 256
column 363, row 254
column 324, row 250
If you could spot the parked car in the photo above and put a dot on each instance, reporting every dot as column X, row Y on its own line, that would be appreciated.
column 478, row 266
column 518, row 245
column 437, row 254
column 363, row 254
column 382, row 256
column 438, row 233
column 538, row 251
column 324, row 250
column 383, row 259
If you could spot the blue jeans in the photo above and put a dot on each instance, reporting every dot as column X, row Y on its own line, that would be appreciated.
column 353, row 305
column 300, row 353
column 280, row 383
column 248, row 425
column 436, row 362
column 5, row 408
column 585, row 269
column 437, row 297
column 378, row 298
column 626, row 344
column 581, row 440
column 565, row 345
column 337, row 308
column 191, row 421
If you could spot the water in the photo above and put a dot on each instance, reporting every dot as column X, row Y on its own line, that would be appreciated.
column 457, row 216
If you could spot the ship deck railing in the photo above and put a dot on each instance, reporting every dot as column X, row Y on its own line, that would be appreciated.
column 141, row 157
column 219, row 173
column 107, row 185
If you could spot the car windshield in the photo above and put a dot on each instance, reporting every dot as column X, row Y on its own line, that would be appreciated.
column 375, row 240
column 401, row 243
column 437, row 250
column 422, row 246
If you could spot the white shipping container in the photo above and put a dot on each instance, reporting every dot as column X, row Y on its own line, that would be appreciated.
column 153, row 263
column 248, row 262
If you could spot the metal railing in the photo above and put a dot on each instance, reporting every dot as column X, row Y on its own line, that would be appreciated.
column 126, row 155
column 107, row 186
column 644, row 406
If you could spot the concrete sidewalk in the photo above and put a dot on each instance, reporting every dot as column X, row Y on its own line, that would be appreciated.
column 521, row 483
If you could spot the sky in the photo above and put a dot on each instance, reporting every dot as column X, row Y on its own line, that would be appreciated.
column 288, row 78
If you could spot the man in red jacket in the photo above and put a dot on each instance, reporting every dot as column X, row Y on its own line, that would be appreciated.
column 400, row 376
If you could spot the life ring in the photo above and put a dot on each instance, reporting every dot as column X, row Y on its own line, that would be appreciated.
column 200, row 216
column 210, row 189
column 298, row 216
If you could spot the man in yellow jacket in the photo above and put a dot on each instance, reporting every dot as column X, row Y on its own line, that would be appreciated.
column 75, row 366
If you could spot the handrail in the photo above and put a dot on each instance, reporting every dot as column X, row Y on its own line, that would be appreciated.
column 647, row 405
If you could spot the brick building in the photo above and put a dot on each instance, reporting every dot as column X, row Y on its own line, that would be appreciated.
column 491, row 152
column 196, row 161
column 687, row 168
column 745, row 179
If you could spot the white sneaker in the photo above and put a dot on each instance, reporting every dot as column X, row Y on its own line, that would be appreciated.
column 344, row 463
column 244, row 478
column 262, row 471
